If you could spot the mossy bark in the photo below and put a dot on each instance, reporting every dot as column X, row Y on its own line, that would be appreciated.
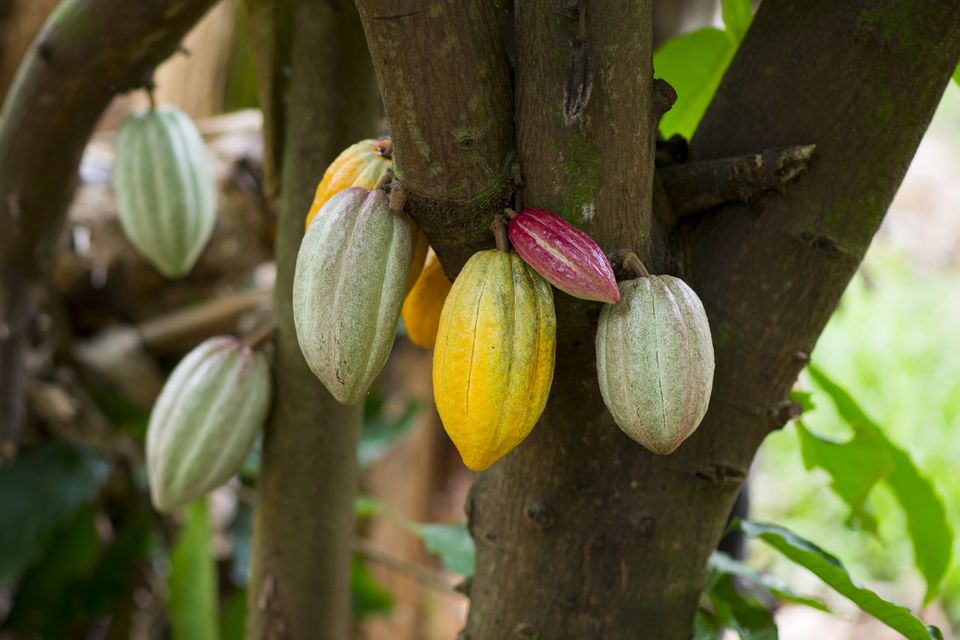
column 580, row 532
column 300, row 582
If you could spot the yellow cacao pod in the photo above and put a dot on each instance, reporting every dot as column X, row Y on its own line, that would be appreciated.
column 418, row 254
column 493, row 363
column 360, row 165
column 421, row 310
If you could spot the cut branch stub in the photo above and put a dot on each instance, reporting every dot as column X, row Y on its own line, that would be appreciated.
column 633, row 263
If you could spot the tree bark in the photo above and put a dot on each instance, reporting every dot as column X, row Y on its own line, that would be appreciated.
column 580, row 532
column 300, row 582
column 88, row 51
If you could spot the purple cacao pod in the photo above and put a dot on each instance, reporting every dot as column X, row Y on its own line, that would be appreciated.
column 565, row 256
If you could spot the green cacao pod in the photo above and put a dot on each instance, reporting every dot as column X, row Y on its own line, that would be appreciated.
column 205, row 420
column 494, row 356
column 655, row 361
column 164, row 187
column 348, row 289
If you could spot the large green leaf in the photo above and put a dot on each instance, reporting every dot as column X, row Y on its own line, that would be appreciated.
column 233, row 617
column 956, row 74
column 192, row 582
column 855, row 466
column 829, row 569
column 737, row 16
column 741, row 612
column 48, row 586
column 40, row 491
column 693, row 64
column 927, row 523
column 724, row 564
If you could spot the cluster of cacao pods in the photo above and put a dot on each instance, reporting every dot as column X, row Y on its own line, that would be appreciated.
column 361, row 267
column 164, row 188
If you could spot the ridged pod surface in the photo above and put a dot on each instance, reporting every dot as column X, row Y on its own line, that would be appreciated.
column 421, row 310
column 164, row 187
column 360, row 165
column 566, row 256
column 655, row 361
column 205, row 420
column 349, row 285
column 493, row 363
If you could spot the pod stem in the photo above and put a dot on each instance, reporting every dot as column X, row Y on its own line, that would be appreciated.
column 510, row 213
column 152, row 98
column 632, row 262
column 261, row 335
column 387, row 175
column 398, row 197
column 500, row 234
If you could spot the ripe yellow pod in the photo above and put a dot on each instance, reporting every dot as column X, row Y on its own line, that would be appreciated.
column 360, row 165
column 493, row 364
column 421, row 310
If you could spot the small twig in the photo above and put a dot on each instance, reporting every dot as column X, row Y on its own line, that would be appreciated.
column 500, row 234
column 633, row 263
column 398, row 198
column 697, row 186
column 664, row 96
column 510, row 213
column 261, row 335
column 421, row 574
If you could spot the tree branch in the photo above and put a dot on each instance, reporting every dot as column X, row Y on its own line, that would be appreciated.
column 450, row 119
column 300, row 574
column 693, row 187
column 87, row 52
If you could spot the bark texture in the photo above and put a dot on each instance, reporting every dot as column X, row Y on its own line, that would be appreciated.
column 88, row 51
column 445, row 83
column 300, row 583
column 582, row 534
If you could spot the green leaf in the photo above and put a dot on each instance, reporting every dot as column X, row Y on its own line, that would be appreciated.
column 452, row 542
column 693, row 64
column 737, row 16
column 233, row 617
column 121, row 410
column 381, row 431
column 192, row 582
column 48, row 586
column 116, row 572
column 40, row 491
column 723, row 563
column 829, row 569
column 855, row 466
column 367, row 596
column 804, row 399
column 741, row 612
column 927, row 523
column 705, row 626
column 956, row 74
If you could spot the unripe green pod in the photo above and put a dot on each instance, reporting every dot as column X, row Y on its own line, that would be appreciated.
column 206, row 419
column 350, row 281
column 655, row 361
column 164, row 187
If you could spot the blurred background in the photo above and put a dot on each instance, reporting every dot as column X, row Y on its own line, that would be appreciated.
column 83, row 555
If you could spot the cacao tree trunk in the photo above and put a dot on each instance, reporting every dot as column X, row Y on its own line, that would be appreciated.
column 580, row 532
column 300, row 582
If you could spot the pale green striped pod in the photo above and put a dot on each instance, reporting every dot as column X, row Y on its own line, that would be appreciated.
column 164, row 187
column 206, row 419
column 348, row 289
column 655, row 361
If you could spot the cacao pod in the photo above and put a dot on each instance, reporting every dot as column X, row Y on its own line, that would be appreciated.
column 655, row 361
column 567, row 257
column 360, row 165
column 348, row 289
column 205, row 420
column 493, row 363
column 164, row 187
column 421, row 309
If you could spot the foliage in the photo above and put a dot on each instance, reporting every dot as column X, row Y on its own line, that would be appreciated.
column 192, row 581
column 694, row 64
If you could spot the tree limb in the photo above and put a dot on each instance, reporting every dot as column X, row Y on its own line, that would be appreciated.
column 88, row 51
column 697, row 186
column 450, row 120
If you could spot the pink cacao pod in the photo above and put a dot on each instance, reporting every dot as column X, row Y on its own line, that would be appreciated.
column 567, row 257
